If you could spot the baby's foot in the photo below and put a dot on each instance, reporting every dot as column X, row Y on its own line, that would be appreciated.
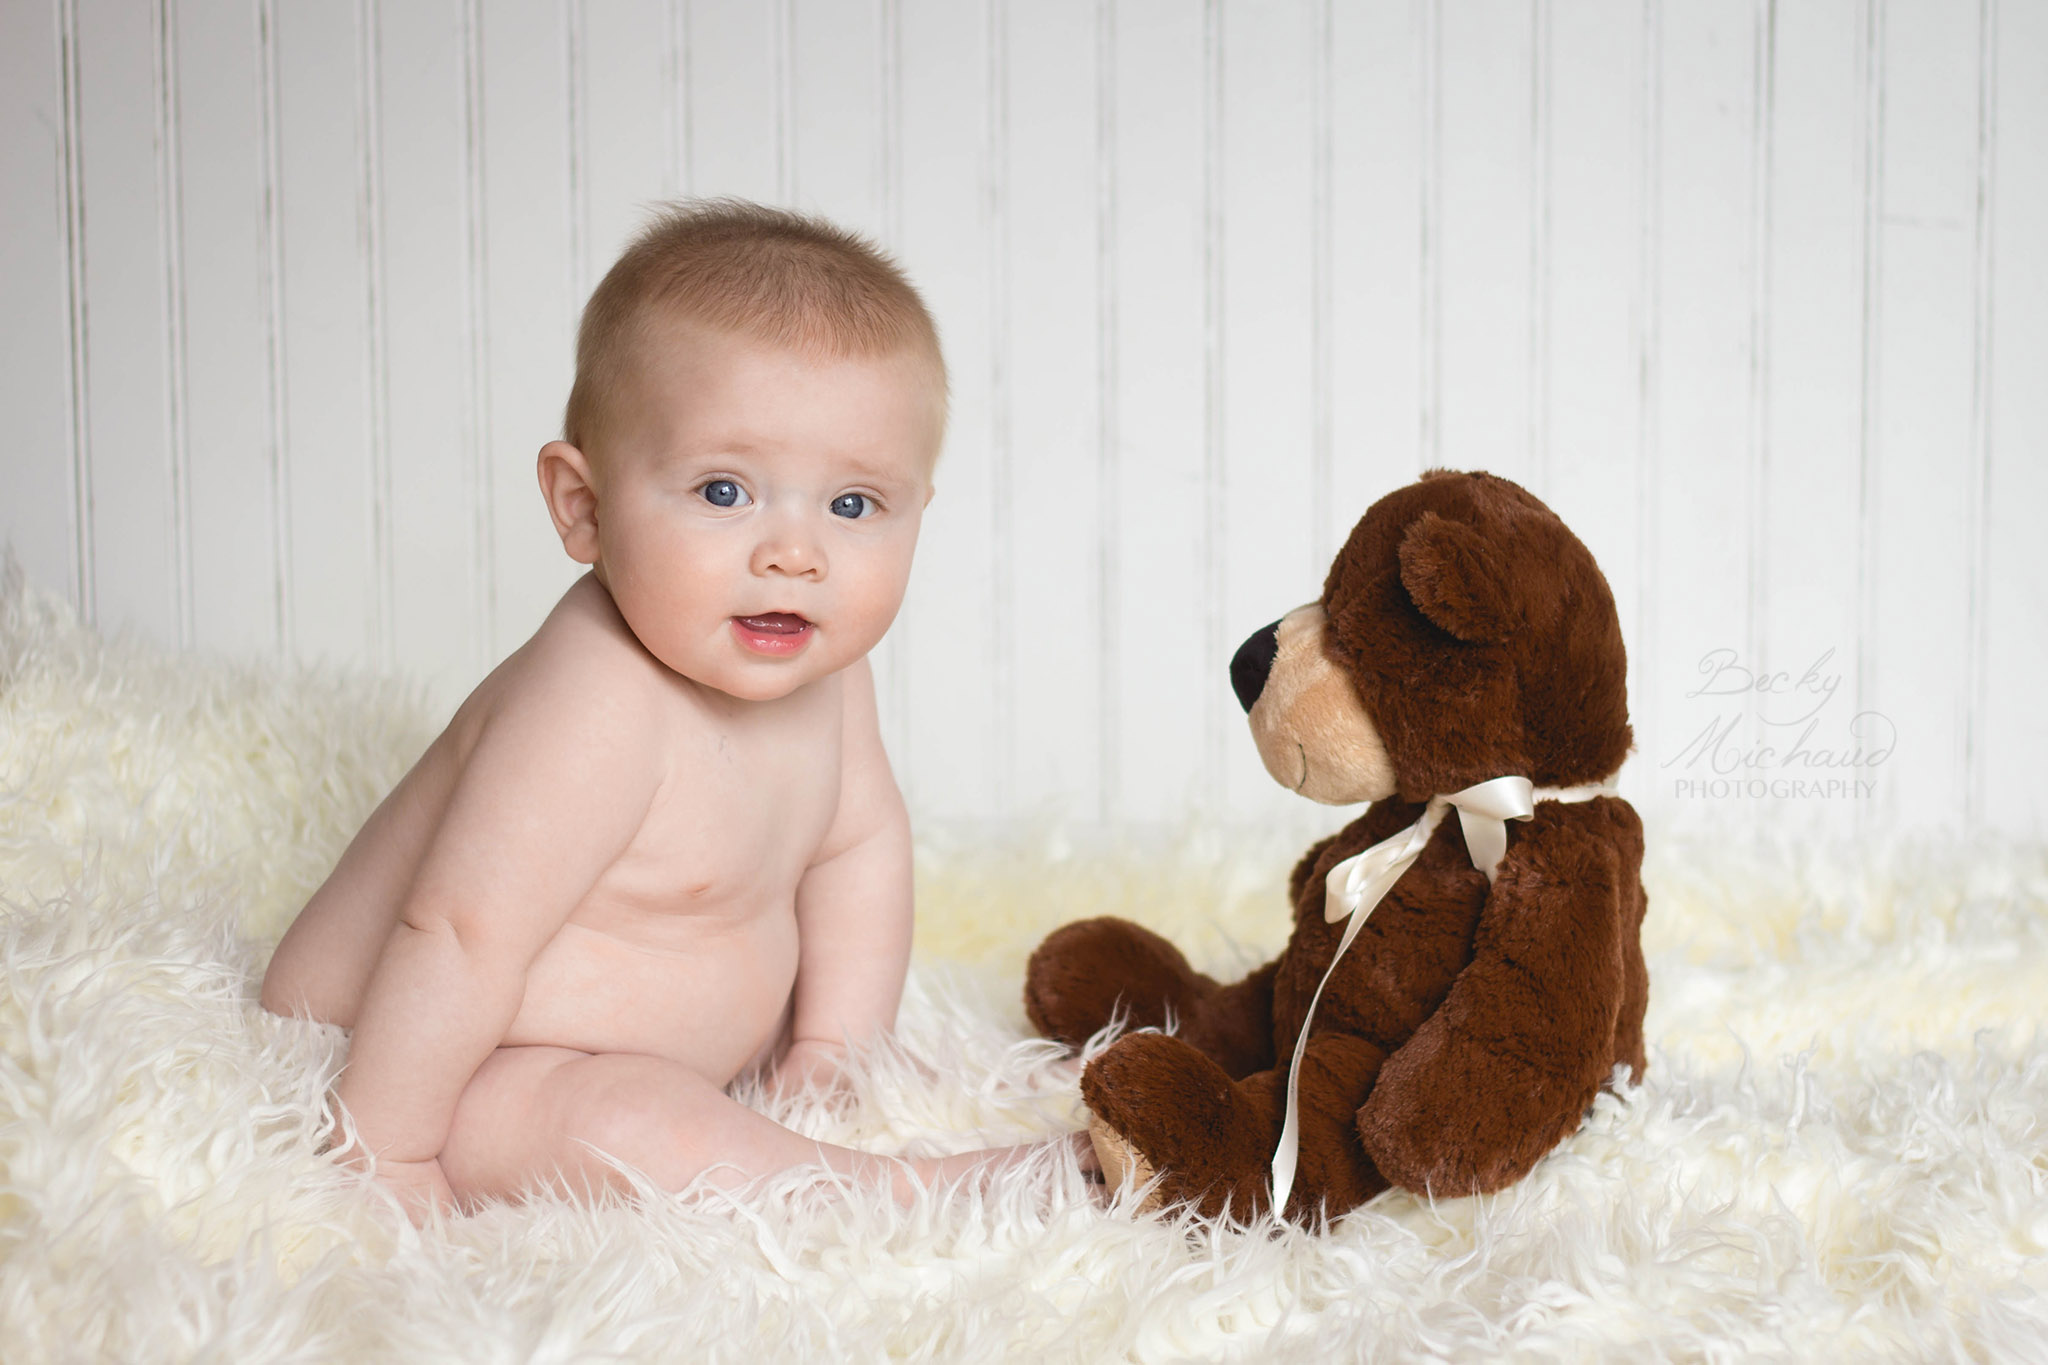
column 1062, row 1071
column 979, row 1170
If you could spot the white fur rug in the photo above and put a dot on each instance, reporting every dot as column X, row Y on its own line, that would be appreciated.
column 1841, row 1147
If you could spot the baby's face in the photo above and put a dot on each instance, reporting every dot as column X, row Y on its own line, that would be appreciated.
column 757, row 507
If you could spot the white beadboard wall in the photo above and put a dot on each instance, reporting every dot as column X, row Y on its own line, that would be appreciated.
column 1754, row 294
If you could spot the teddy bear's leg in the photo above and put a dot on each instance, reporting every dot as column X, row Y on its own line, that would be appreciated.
column 1085, row 973
column 1161, row 1106
column 1505, row 1068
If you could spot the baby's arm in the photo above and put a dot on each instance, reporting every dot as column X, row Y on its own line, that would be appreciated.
column 854, row 904
column 549, row 796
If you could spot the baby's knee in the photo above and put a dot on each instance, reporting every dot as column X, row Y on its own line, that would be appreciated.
column 643, row 1113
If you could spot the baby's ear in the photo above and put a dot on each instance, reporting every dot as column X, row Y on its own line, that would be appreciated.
column 571, row 496
column 1460, row 580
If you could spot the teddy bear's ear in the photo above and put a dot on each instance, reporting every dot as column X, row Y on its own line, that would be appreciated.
column 1459, row 580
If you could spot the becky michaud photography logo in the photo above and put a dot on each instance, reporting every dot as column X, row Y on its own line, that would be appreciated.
column 1780, row 734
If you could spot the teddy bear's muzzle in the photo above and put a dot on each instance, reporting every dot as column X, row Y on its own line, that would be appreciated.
column 1305, row 704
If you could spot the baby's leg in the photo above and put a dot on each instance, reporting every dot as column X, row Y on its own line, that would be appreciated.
column 534, row 1114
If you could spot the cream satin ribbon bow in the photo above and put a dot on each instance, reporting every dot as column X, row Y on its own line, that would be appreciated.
column 1357, row 884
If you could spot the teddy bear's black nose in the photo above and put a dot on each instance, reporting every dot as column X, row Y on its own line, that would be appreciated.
column 1252, row 662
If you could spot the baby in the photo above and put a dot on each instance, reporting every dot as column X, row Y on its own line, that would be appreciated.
column 660, row 845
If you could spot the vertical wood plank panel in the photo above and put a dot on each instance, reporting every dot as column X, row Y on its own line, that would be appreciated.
column 1698, row 533
column 425, row 265
column 1162, row 578
column 1762, row 139
column 1541, row 180
column 1588, row 403
column 375, row 304
column 1484, row 238
column 836, row 113
column 226, row 371
column 734, row 100
column 170, row 212
column 675, row 69
column 326, row 339
column 270, row 180
column 476, row 346
column 1054, row 608
column 2014, row 637
column 1984, row 310
column 131, row 510
column 952, row 756
column 1808, row 493
column 1925, row 362
column 626, row 113
column 1110, row 796
column 1322, row 281
column 528, row 299
column 1268, row 177
column 1870, row 186
column 37, row 519
column 1644, row 773
column 575, row 49
column 1376, row 260
column 1215, row 568
column 1429, row 113
column 1001, row 661
column 781, row 37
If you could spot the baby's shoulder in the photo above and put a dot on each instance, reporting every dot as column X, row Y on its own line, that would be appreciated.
column 585, row 640
column 579, row 676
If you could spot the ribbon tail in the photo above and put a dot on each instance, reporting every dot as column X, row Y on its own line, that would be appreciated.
column 1287, row 1154
column 1375, row 871
column 1486, row 840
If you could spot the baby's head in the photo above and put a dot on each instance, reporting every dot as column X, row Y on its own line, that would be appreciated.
column 748, row 447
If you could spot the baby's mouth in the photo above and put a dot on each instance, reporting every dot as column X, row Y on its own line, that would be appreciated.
column 773, row 632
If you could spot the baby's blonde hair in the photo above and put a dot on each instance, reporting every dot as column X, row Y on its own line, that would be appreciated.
column 770, row 274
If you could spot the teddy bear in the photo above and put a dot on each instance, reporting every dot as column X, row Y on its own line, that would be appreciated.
column 1455, row 991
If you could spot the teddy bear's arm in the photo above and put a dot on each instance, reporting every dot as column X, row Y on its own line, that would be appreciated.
column 1306, row 868
column 1506, row 1066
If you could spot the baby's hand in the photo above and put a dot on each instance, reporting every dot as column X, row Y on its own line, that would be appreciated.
column 419, row 1186
column 810, row 1064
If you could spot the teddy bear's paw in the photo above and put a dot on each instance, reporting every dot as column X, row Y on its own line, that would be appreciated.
column 1093, row 970
column 1161, row 1107
column 1122, row 1164
column 1459, row 1121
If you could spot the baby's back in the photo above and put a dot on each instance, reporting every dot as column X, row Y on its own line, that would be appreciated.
column 685, row 944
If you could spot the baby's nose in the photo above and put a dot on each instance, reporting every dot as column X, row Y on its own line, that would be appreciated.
column 789, row 553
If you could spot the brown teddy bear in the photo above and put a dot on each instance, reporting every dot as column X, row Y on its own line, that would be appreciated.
column 1484, row 974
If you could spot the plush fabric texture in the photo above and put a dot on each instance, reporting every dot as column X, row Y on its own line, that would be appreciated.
column 1470, row 1024
column 1835, row 1153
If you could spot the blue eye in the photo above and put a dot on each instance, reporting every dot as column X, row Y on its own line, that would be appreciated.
column 852, row 505
column 724, row 493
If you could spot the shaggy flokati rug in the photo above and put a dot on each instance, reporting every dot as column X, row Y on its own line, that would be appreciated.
column 1840, row 1149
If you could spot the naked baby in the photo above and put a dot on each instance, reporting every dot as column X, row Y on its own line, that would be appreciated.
column 660, row 845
